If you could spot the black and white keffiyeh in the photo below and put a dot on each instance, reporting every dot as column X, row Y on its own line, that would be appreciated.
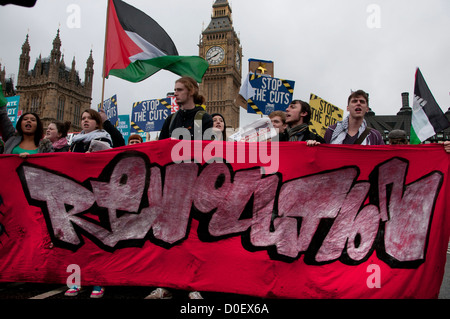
column 87, row 138
column 341, row 131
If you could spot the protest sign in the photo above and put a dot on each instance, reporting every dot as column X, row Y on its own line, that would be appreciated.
column 124, row 126
column 270, row 94
column 13, row 108
column 149, row 116
column 323, row 115
column 174, row 105
column 370, row 223
column 111, row 110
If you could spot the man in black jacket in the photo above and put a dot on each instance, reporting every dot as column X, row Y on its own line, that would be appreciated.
column 191, row 119
column 190, row 122
column 298, row 115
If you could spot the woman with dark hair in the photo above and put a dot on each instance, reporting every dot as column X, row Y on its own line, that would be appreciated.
column 92, row 125
column 56, row 133
column 219, row 127
column 27, row 140
column 93, row 138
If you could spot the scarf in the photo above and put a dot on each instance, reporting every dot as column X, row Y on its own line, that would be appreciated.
column 295, row 132
column 59, row 144
column 341, row 131
column 94, row 135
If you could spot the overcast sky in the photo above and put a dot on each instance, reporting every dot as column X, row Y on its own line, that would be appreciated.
column 328, row 47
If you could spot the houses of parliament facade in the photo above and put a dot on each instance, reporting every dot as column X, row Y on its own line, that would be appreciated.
column 51, row 89
column 55, row 91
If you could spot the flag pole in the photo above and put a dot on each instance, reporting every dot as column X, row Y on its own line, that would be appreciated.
column 104, row 55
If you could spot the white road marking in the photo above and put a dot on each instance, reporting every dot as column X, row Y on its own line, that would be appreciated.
column 50, row 293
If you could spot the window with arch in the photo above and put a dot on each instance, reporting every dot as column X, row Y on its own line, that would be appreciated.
column 35, row 104
column 77, row 113
column 60, row 108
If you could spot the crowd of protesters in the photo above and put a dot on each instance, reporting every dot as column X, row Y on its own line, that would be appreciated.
column 98, row 134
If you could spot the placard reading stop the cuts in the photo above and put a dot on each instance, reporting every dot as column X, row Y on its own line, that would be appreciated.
column 271, row 94
column 149, row 116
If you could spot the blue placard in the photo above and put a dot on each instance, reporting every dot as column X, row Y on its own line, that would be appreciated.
column 149, row 116
column 13, row 108
column 110, row 108
column 270, row 94
column 124, row 126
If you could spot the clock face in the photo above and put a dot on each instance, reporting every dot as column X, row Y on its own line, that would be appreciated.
column 215, row 55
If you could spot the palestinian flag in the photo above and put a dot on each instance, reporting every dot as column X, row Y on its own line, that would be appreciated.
column 137, row 47
column 427, row 117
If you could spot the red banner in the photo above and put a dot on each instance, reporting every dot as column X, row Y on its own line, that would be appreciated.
column 275, row 220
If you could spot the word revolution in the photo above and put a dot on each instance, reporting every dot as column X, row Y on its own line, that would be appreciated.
column 327, row 217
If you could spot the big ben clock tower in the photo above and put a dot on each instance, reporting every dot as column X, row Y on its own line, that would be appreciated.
column 220, row 46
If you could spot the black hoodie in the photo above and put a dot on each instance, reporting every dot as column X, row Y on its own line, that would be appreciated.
column 185, row 119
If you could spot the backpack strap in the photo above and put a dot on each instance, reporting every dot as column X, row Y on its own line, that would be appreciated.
column 172, row 123
column 198, row 123
column 362, row 137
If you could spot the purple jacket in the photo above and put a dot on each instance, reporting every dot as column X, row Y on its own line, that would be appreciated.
column 374, row 137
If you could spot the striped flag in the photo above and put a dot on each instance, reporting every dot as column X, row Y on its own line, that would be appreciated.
column 137, row 47
column 427, row 117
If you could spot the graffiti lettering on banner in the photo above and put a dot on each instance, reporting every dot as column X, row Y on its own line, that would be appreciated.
column 149, row 116
column 352, row 235
column 271, row 94
column 323, row 115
